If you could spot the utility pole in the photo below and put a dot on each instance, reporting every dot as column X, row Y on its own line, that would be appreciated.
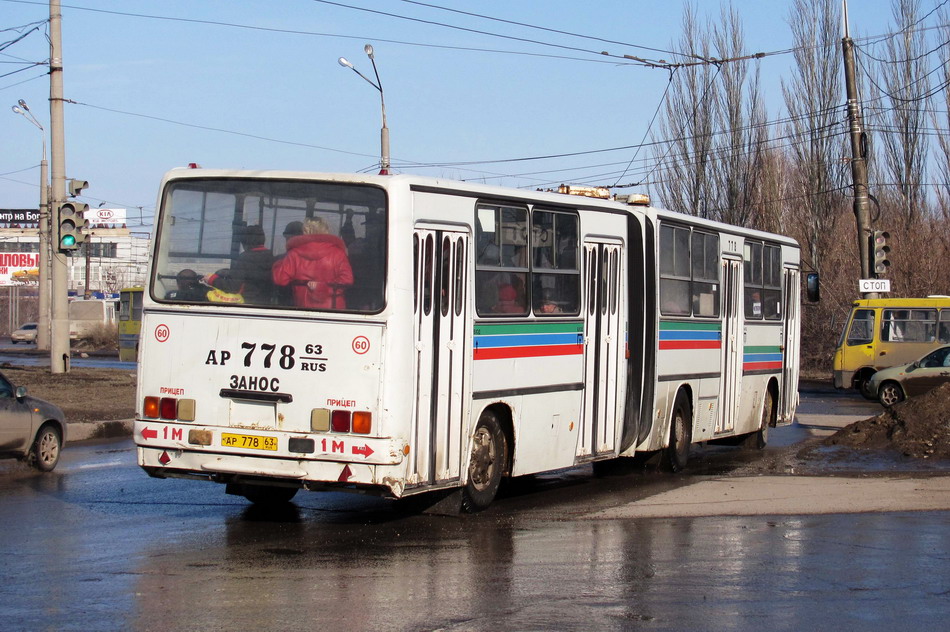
column 859, row 150
column 59, row 322
column 87, row 293
column 42, row 329
column 43, row 322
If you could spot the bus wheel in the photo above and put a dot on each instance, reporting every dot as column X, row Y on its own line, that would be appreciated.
column 681, row 435
column 760, row 438
column 890, row 393
column 268, row 496
column 489, row 453
column 861, row 384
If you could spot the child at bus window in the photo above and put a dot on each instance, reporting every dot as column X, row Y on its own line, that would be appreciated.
column 225, row 288
column 548, row 303
column 316, row 267
column 189, row 287
column 508, row 302
column 253, row 267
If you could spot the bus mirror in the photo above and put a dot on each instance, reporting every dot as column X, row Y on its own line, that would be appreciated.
column 812, row 287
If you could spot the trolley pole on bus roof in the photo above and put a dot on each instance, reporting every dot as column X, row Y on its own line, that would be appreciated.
column 859, row 150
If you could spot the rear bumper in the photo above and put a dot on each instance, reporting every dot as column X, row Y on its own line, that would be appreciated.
column 176, row 450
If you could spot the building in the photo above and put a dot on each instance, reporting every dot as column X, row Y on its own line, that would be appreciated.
column 112, row 257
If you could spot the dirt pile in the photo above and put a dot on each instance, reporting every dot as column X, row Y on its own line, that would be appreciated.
column 84, row 394
column 918, row 427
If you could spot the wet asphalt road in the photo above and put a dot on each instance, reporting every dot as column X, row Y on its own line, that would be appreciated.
column 97, row 545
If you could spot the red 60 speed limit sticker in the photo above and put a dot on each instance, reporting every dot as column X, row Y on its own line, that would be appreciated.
column 162, row 333
column 360, row 345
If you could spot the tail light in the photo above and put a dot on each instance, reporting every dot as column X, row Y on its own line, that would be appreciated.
column 343, row 421
column 168, row 408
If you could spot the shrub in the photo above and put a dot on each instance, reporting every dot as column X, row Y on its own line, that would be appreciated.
column 102, row 337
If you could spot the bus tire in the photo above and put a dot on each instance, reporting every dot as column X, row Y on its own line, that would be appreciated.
column 676, row 453
column 759, row 439
column 268, row 496
column 486, row 465
column 861, row 385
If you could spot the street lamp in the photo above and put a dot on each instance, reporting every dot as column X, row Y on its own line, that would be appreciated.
column 384, row 131
column 43, row 326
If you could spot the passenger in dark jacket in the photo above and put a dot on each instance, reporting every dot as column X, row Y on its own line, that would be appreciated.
column 316, row 267
column 253, row 267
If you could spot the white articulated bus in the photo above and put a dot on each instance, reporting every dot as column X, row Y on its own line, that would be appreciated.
column 400, row 334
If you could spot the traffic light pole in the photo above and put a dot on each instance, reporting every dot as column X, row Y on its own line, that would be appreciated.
column 859, row 163
column 59, row 306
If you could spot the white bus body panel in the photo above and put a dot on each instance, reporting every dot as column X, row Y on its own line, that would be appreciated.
column 224, row 363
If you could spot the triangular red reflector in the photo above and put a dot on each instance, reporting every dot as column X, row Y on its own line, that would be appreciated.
column 345, row 474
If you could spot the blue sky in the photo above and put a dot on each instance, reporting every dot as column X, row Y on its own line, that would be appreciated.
column 136, row 81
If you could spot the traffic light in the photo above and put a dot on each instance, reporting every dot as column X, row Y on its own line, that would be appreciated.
column 879, row 252
column 72, row 226
column 76, row 187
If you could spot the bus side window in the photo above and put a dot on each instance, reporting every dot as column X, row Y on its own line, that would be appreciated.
column 674, row 271
column 501, row 261
column 705, row 268
column 943, row 334
column 555, row 277
column 862, row 327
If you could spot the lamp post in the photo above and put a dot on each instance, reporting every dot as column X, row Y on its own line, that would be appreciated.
column 42, row 331
column 384, row 131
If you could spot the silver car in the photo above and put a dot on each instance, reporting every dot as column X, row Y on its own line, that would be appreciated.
column 893, row 385
column 26, row 333
column 31, row 429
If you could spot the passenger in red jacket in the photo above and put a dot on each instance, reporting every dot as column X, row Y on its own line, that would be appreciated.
column 316, row 267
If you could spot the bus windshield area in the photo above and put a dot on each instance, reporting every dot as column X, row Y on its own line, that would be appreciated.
column 271, row 243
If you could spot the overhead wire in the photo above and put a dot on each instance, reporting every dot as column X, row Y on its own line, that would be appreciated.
column 558, row 31
column 470, row 163
column 471, row 30
column 253, row 27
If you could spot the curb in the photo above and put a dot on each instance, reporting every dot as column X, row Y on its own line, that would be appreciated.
column 77, row 431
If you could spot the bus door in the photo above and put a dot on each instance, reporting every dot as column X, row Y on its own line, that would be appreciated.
column 441, row 312
column 733, row 339
column 603, row 347
column 791, row 307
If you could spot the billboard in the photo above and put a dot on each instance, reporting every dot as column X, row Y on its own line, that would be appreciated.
column 105, row 217
column 19, row 268
column 19, row 217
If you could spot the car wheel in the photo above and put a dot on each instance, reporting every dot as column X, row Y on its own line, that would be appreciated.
column 486, row 465
column 46, row 449
column 890, row 393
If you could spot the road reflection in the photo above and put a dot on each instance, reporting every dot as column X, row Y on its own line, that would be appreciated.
column 377, row 569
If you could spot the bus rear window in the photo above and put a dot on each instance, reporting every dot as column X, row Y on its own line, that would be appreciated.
column 272, row 243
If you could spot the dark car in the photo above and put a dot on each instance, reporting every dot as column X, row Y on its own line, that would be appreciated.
column 30, row 428
column 897, row 383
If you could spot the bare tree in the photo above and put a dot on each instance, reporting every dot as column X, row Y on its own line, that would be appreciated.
column 943, row 124
column 741, row 121
column 812, row 97
column 904, row 80
column 688, row 124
